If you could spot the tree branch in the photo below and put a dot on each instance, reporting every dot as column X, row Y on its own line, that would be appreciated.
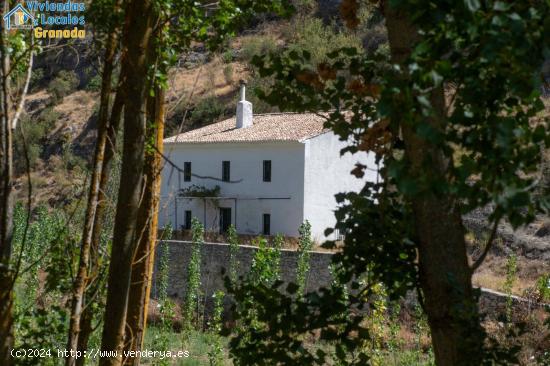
column 25, row 87
column 488, row 247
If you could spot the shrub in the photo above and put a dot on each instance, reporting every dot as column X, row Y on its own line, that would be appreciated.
column 304, row 246
column 193, row 292
column 233, row 240
column 227, row 56
column 48, row 118
column 228, row 73
column 543, row 287
column 64, row 83
column 257, row 45
column 207, row 110
column 94, row 84
column 312, row 35
column 37, row 77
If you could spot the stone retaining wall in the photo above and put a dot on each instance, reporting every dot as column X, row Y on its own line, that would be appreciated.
column 215, row 258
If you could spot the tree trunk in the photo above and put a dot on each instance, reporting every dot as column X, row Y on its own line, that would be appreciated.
column 110, row 148
column 445, row 276
column 142, row 268
column 135, row 84
column 6, row 206
column 81, row 281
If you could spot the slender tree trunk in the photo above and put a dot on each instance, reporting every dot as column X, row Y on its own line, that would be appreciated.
column 142, row 268
column 6, row 206
column 81, row 281
column 137, row 37
column 445, row 275
column 110, row 148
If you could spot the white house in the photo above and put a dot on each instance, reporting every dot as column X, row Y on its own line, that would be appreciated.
column 274, row 171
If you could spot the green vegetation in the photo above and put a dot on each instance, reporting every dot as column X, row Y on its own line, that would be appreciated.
column 511, row 278
column 63, row 84
column 543, row 287
column 206, row 111
column 233, row 240
column 192, row 306
column 304, row 247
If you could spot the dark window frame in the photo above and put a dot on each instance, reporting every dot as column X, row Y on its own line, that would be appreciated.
column 267, row 170
column 224, row 222
column 226, row 170
column 266, row 224
column 188, row 216
column 187, row 169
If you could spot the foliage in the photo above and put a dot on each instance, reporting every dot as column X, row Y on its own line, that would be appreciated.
column 264, row 272
column 265, row 264
column 200, row 191
column 543, row 287
column 494, row 93
column 94, row 84
column 311, row 35
column 511, row 277
column 37, row 78
column 35, row 132
column 216, row 353
column 161, row 340
column 228, row 74
column 45, row 246
column 233, row 241
column 63, row 84
column 45, row 327
column 206, row 111
column 191, row 311
column 257, row 46
column 304, row 247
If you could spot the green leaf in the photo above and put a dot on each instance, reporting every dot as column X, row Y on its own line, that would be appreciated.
column 472, row 5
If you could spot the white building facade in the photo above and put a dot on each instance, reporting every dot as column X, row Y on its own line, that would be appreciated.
column 274, row 171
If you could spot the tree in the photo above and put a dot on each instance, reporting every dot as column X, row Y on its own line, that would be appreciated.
column 82, row 280
column 143, row 262
column 12, row 101
column 140, row 19
column 450, row 115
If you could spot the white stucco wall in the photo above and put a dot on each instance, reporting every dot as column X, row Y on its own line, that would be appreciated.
column 283, row 197
column 326, row 174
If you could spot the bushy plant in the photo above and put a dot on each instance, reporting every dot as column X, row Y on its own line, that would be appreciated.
column 304, row 247
column 216, row 353
column 233, row 240
column 63, row 84
column 191, row 312
column 257, row 45
column 311, row 35
column 161, row 340
column 228, row 73
column 207, row 110
column 511, row 277
column 37, row 78
column 543, row 287
column 265, row 264
column 94, row 84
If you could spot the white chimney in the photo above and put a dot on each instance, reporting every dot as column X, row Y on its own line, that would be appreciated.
column 244, row 109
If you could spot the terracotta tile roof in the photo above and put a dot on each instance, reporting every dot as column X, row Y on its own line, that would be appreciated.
column 266, row 127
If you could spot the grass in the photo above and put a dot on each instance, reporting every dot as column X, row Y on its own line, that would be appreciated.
column 200, row 342
column 198, row 347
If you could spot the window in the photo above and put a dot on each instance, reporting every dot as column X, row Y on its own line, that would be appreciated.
column 267, row 170
column 187, row 171
column 266, row 225
column 225, row 219
column 226, row 171
column 188, row 216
